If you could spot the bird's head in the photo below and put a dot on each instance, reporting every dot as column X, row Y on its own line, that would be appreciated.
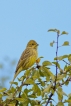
column 33, row 44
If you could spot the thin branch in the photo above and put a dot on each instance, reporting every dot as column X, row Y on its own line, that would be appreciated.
column 68, row 79
column 66, row 62
column 22, row 84
column 49, row 99
column 50, row 96
column 56, row 58
column 60, row 84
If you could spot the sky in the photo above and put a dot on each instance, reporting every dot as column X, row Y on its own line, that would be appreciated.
column 23, row 20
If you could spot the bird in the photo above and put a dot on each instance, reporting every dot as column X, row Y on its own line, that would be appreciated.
column 28, row 57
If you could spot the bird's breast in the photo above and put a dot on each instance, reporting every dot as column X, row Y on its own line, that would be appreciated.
column 32, row 59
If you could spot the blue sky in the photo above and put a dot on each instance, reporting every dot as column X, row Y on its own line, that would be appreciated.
column 22, row 20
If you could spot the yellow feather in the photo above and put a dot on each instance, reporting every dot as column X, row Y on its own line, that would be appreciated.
column 28, row 57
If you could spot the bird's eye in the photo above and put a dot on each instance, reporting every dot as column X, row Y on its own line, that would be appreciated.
column 32, row 44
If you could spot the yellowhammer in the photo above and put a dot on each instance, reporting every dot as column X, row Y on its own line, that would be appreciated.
column 28, row 57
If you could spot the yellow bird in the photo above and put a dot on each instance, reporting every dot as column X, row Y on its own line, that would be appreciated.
column 28, row 57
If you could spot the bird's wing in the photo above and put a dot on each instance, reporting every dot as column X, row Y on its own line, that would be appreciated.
column 23, row 57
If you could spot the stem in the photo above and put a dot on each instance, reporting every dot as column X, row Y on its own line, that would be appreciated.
column 56, row 58
column 66, row 62
column 50, row 96
column 49, row 99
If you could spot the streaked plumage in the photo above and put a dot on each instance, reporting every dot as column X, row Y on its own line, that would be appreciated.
column 28, row 57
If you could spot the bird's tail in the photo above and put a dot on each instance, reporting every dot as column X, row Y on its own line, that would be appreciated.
column 16, row 74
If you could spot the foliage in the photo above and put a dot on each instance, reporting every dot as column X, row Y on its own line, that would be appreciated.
column 39, row 85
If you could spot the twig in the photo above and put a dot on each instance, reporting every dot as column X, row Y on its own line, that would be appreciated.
column 68, row 79
column 19, row 94
column 56, row 58
column 22, row 84
column 66, row 62
column 49, row 99
column 56, row 71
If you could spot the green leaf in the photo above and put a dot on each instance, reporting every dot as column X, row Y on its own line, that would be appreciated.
column 64, row 32
column 52, row 75
column 47, row 89
column 69, row 58
column 24, row 101
column 22, row 78
column 3, row 89
column 51, row 44
column 69, row 100
column 36, row 75
column 16, row 83
column 36, row 89
column 57, row 64
column 60, row 104
column 60, row 77
column 46, row 63
column 52, row 30
column 61, row 57
column 29, row 81
column 51, row 104
column 66, row 43
column 49, row 75
column 65, row 94
column 42, row 83
column 67, row 69
column 41, row 57
column 21, row 99
column 26, row 91
column 27, row 73
column 59, row 93
column 32, row 95
column 69, row 104
column 35, row 103
column 41, row 73
column 60, row 89
column 0, row 95
column 46, row 73
column 12, row 104
column 66, row 83
column 69, row 96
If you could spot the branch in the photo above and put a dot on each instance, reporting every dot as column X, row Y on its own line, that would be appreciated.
column 68, row 79
column 66, row 62
column 56, row 58
column 50, row 96
column 49, row 99
column 22, row 84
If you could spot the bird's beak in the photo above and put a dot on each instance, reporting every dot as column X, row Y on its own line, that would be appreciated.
column 37, row 44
